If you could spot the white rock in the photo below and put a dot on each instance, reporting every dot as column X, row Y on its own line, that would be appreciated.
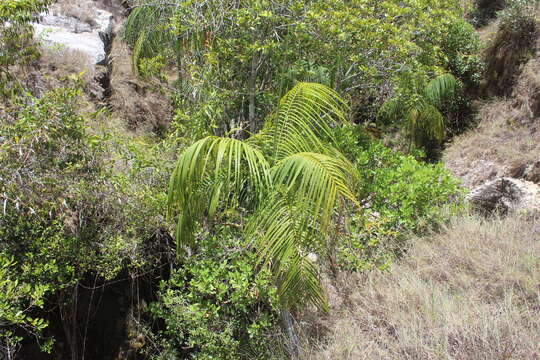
column 73, row 34
column 506, row 195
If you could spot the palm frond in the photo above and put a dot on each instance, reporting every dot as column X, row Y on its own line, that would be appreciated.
column 440, row 89
column 431, row 121
column 146, row 33
column 280, row 233
column 304, row 119
column 425, row 118
column 391, row 110
column 145, row 17
column 295, row 218
column 229, row 162
column 300, row 284
column 317, row 180
column 295, row 200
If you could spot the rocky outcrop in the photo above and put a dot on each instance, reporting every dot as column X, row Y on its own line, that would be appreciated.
column 505, row 195
column 89, row 35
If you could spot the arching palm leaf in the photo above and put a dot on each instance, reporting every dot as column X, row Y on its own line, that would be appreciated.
column 281, row 234
column 391, row 110
column 304, row 119
column 295, row 199
column 308, row 189
column 229, row 162
column 145, row 31
column 420, row 110
column 317, row 180
column 425, row 118
column 440, row 89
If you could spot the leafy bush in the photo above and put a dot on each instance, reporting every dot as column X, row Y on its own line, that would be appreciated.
column 400, row 196
column 16, row 43
column 66, row 212
column 461, row 48
column 511, row 47
column 16, row 299
column 485, row 10
column 417, row 104
column 232, row 72
column 217, row 306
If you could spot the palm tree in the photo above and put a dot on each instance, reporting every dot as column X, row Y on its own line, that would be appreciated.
column 147, row 32
column 293, row 177
column 419, row 107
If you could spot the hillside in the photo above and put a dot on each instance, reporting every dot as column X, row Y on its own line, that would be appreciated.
column 470, row 290
column 269, row 179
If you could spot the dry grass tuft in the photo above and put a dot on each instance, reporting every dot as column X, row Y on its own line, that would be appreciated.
column 471, row 292
column 511, row 46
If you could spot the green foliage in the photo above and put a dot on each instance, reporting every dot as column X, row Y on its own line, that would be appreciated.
column 519, row 16
column 461, row 48
column 65, row 214
column 485, row 10
column 236, row 59
column 16, row 44
column 146, row 31
column 294, row 193
column 217, row 306
column 282, row 195
column 17, row 299
column 401, row 195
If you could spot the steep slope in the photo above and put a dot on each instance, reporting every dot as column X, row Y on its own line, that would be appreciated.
column 505, row 142
column 470, row 292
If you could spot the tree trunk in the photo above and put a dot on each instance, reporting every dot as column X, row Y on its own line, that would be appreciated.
column 252, row 92
column 288, row 324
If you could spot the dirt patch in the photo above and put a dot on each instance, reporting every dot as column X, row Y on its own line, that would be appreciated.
column 140, row 105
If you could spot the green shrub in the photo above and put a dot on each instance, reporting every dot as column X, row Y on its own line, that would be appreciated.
column 66, row 210
column 17, row 300
column 485, row 10
column 461, row 47
column 400, row 196
column 17, row 46
column 217, row 306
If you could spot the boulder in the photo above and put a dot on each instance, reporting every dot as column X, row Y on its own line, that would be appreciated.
column 504, row 195
column 89, row 37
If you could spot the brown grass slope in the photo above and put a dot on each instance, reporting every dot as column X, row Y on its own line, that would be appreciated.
column 471, row 292
column 507, row 138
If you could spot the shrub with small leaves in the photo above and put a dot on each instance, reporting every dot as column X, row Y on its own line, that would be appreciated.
column 217, row 306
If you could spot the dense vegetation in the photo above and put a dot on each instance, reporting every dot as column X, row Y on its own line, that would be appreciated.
column 303, row 144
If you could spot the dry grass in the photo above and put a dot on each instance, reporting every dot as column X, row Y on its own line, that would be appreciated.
column 471, row 292
column 513, row 43
column 506, row 138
